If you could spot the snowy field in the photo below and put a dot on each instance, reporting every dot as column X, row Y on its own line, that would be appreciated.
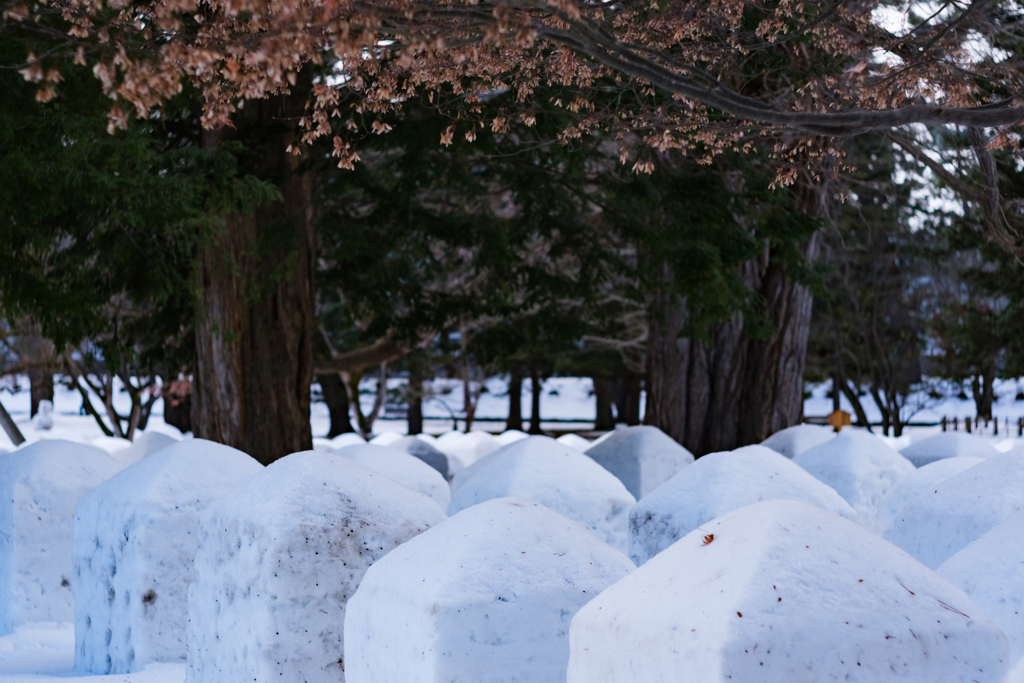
column 567, row 403
column 501, row 557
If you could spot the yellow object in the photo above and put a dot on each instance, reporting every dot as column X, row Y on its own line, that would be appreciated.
column 839, row 419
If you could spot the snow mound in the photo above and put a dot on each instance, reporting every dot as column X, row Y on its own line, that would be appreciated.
column 716, row 484
column 272, row 580
column 607, row 435
column 643, row 457
column 325, row 445
column 918, row 482
column 135, row 537
column 860, row 467
column 541, row 470
column 991, row 571
column 792, row 441
column 448, row 438
column 404, row 468
column 574, row 441
column 948, row 445
column 470, row 448
column 486, row 596
column 510, row 436
column 423, row 436
column 144, row 444
column 385, row 439
column 935, row 526
column 40, row 485
column 425, row 451
column 782, row 591
column 347, row 439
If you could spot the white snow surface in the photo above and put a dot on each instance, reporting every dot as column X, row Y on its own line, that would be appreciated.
column 574, row 441
column 347, row 439
column 146, row 443
column 642, row 457
column 44, row 652
column 860, row 467
column 792, row 441
column 406, row 469
column 782, row 591
column 935, row 526
column 385, row 439
column 467, row 449
column 424, row 450
column 486, row 596
column 991, row 571
column 325, row 445
column 918, row 482
column 447, row 438
column 948, row 445
column 135, row 537
column 40, row 485
column 510, row 435
column 541, row 470
column 715, row 484
column 273, row 579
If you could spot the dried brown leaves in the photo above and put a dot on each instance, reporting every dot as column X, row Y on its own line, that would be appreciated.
column 800, row 70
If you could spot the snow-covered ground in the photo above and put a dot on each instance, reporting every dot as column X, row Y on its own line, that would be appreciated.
column 45, row 652
column 567, row 404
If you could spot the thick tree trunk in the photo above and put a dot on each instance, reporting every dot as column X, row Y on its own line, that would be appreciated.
column 633, row 388
column 604, row 419
column 39, row 353
column 414, row 391
column 41, row 381
column 515, row 400
column 984, row 394
column 177, row 395
column 536, row 386
column 736, row 391
column 254, row 355
column 625, row 392
column 336, row 398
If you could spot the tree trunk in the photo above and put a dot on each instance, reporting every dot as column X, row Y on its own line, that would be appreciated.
column 515, row 400
column 858, row 407
column 41, row 382
column 536, row 387
column 7, row 422
column 633, row 388
column 883, row 408
column 736, row 391
column 604, row 420
column 984, row 394
column 254, row 355
column 336, row 398
column 414, row 391
column 39, row 352
column 177, row 395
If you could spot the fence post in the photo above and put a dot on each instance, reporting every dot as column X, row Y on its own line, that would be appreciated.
column 943, row 423
column 967, row 424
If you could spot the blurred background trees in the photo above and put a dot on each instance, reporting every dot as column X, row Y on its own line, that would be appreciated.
column 158, row 261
